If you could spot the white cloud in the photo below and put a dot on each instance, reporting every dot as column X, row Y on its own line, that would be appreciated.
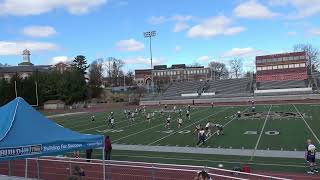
column 241, row 52
column 181, row 18
column 303, row 8
column 144, row 61
column 253, row 10
column 16, row 48
column 36, row 7
column 314, row 32
column 180, row 26
column 214, row 26
column 59, row 59
column 39, row 31
column 291, row 33
column 157, row 20
column 177, row 48
column 203, row 58
column 130, row 45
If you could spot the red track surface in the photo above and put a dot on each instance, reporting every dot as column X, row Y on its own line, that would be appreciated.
column 54, row 170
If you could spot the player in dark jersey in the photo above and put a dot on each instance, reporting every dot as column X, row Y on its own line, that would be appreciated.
column 189, row 107
column 253, row 109
column 188, row 115
column 212, row 104
column 180, row 112
column 93, row 118
column 202, row 137
column 310, row 152
column 238, row 114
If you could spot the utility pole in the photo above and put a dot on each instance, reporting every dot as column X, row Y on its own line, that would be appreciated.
column 150, row 34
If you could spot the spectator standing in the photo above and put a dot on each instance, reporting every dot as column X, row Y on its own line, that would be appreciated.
column 88, row 154
column 108, row 148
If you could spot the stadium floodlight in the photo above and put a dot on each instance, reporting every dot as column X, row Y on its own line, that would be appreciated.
column 149, row 35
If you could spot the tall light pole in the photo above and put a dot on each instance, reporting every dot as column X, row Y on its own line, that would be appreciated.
column 150, row 34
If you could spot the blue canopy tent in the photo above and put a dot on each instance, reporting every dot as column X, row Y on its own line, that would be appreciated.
column 24, row 132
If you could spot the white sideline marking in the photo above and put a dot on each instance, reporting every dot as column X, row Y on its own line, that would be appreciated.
column 306, row 123
column 188, row 126
column 261, row 132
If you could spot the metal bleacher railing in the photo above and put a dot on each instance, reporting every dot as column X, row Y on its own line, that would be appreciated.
column 62, row 167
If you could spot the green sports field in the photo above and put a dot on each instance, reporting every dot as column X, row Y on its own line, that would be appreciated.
column 272, row 127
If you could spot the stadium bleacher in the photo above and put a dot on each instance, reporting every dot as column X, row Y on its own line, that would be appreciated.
column 282, row 84
column 178, row 88
column 230, row 86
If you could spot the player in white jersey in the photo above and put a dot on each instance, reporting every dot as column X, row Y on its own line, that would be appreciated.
column 93, row 118
column 168, row 120
column 220, row 129
column 149, row 117
column 161, row 111
column 310, row 153
column 132, row 116
column 208, row 128
column 174, row 108
column 180, row 122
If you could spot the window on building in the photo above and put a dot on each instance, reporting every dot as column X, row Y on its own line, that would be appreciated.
column 280, row 66
column 269, row 67
column 296, row 58
column 302, row 65
column 269, row 60
column 302, row 57
column 296, row 65
column 264, row 68
column 259, row 68
column 274, row 67
column 279, row 59
column 290, row 58
column 291, row 65
column 285, row 59
column 263, row 60
column 286, row 66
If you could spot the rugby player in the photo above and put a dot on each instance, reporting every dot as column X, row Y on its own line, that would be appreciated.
column 149, row 117
column 208, row 127
column 212, row 104
column 189, row 107
column 167, row 125
column 197, row 129
column 310, row 153
column 202, row 136
column 92, row 118
column 174, row 108
column 180, row 112
column 188, row 115
column 165, row 106
column 136, row 111
column 125, row 113
column 132, row 116
column 161, row 112
column 179, row 122
column 153, row 114
column 220, row 129
column 110, row 119
column 253, row 109
column 239, row 114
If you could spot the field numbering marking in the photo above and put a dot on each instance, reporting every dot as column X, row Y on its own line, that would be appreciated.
column 260, row 135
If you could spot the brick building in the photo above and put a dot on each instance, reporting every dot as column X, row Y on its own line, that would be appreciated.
column 282, row 67
column 162, row 74
column 26, row 68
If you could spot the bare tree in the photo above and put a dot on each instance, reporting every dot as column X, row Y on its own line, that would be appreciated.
column 95, row 78
column 218, row 70
column 312, row 54
column 236, row 66
column 113, row 66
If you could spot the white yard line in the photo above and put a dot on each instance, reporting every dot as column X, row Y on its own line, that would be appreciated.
column 147, row 129
column 187, row 126
column 260, row 135
column 315, row 136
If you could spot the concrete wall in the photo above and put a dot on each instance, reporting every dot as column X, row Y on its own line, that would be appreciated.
column 235, row 99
